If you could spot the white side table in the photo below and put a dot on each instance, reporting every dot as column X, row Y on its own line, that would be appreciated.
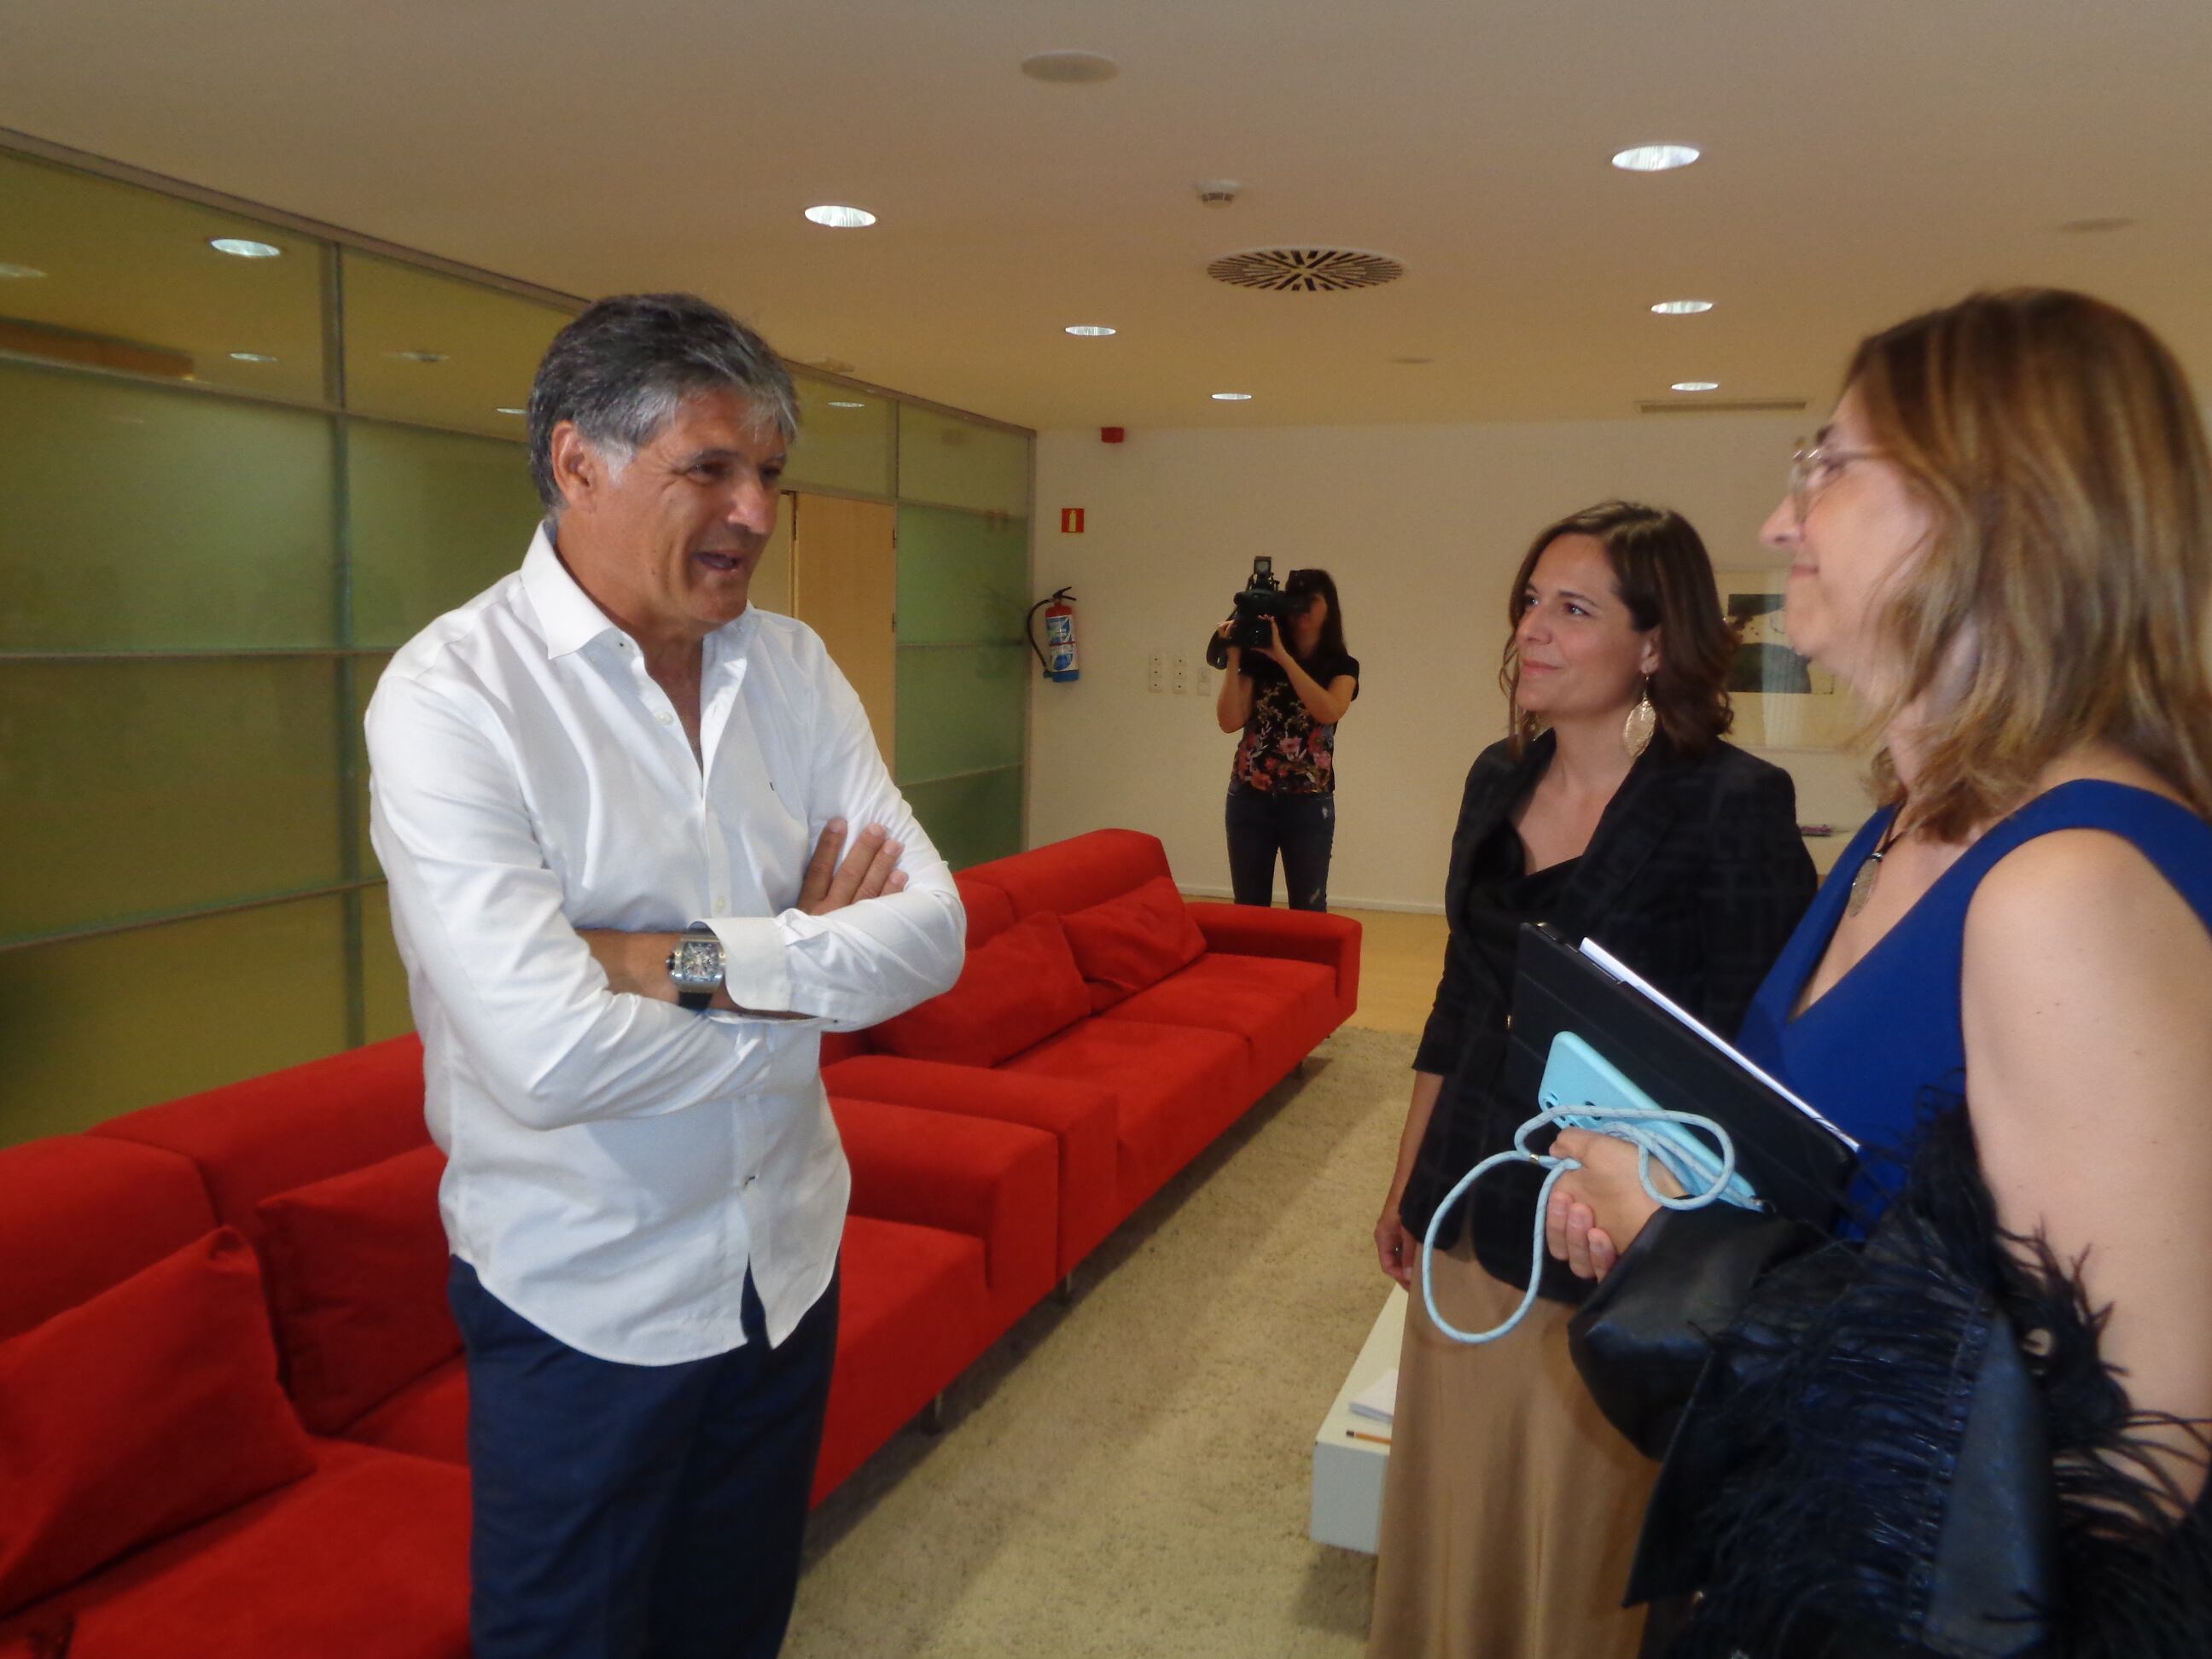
column 1347, row 1470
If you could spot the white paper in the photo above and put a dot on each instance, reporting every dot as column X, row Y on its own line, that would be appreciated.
column 1627, row 976
column 1379, row 1399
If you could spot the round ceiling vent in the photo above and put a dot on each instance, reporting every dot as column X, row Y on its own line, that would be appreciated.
column 1305, row 269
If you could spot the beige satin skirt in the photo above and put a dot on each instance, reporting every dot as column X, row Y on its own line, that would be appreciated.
column 1511, row 1507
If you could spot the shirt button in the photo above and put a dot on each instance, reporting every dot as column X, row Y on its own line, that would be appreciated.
column 721, row 903
column 665, row 718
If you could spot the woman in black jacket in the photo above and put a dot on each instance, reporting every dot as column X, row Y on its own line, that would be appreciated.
column 1612, row 809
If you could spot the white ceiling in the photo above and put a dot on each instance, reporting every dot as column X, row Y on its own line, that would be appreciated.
column 1863, row 158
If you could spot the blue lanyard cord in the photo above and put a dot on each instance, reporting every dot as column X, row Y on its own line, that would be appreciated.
column 1664, row 1135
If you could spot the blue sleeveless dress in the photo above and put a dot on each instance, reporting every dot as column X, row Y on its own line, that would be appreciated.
column 1887, row 1038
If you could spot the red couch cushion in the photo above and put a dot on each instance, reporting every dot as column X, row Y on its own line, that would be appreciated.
column 367, row 1559
column 79, row 1214
column 1012, row 993
column 1282, row 1008
column 428, row 1417
column 132, row 1415
column 1075, row 873
column 990, row 912
column 1133, row 941
column 357, row 1269
column 269, row 1134
column 1175, row 1089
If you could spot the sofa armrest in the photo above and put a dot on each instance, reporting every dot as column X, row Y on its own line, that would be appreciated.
column 1082, row 1120
column 1246, row 930
column 992, row 1180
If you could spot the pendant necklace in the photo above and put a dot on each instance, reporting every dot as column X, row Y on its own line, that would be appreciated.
column 1862, row 883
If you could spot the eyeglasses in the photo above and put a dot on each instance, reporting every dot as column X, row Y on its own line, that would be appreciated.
column 1811, row 470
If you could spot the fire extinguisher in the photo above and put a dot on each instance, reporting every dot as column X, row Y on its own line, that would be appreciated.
column 1057, row 654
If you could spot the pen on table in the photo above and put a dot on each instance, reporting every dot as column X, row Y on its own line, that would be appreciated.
column 1356, row 1434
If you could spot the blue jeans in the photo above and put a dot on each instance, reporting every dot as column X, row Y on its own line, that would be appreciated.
column 627, row 1512
column 1303, row 828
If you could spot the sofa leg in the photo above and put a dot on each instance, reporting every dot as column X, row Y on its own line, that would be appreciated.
column 1064, row 1292
column 933, row 1416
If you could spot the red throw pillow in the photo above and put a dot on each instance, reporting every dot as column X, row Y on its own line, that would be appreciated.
column 1013, row 993
column 134, row 1414
column 357, row 1268
column 1133, row 941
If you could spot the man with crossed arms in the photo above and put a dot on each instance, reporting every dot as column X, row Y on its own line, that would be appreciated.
column 611, row 798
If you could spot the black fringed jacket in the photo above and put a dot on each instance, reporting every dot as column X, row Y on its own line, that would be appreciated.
column 1695, row 876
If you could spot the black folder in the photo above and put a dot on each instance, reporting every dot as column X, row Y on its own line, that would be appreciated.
column 1799, row 1166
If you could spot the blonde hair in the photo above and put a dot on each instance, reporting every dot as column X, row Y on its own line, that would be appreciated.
column 2055, row 443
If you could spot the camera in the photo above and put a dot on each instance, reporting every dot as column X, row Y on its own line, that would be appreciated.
column 1262, row 597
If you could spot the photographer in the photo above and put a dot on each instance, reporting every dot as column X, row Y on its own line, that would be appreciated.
column 1285, row 697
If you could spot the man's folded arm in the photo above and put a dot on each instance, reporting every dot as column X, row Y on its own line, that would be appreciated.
column 870, row 960
column 484, row 913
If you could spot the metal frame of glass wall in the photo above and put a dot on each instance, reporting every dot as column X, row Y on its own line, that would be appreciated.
column 234, row 485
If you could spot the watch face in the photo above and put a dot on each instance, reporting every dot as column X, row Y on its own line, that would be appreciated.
column 697, row 964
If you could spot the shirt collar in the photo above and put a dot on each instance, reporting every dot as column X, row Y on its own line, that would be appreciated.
column 565, row 613
column 571, row 620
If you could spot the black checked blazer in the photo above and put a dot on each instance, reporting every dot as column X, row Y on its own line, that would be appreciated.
column 1695, row 876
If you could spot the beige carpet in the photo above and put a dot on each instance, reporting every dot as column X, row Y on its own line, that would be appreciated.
column 1130, row 1474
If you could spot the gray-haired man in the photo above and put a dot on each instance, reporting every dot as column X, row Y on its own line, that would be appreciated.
column 611, row 798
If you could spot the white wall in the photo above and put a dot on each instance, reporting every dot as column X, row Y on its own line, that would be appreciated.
column 1422, row 527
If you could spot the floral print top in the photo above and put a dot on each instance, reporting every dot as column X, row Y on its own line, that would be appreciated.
column 1283, row 752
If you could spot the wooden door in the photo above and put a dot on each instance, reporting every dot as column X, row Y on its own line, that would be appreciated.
column 844, row 566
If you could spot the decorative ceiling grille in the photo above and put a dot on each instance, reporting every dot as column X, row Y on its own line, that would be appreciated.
column 1305, row 269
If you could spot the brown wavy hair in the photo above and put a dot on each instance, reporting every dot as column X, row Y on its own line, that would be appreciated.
column 2054, row 443
column 1665, row 579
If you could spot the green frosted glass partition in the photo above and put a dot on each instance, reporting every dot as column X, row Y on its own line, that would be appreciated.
column 437, row 518
column 962, row 577
column 384, row 1012
column 950, row 462
column 844, row 440
column 971, row 819
column 361, row 674
column 100, row 1026
column 133, row 517
column 138, row 788
column 961, row 708
column 128, row 279
column 423, row 346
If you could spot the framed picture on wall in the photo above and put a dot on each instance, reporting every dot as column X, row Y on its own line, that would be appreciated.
column 1782, row 700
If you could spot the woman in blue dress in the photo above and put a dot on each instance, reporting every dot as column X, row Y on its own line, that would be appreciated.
column 2002, row 543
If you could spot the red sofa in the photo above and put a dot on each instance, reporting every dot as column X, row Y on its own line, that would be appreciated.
column 253, row 1440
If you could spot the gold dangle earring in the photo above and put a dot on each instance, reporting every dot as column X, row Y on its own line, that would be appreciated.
column 1643, row 720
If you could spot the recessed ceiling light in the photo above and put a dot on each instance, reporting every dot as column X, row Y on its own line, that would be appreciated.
column 18, row 273
column 1655, row 158
column 1070, row 67
column 1088, row 331
column 416, row 356
column 239, row 247
column 838, row 218
column 1696, row 386
column 1232, row 397
column 250, row 357
column 845, row 403
column 1682, row 307
column 504, row 410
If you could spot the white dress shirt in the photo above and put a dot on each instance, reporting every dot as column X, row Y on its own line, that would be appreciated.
column 615, row 1162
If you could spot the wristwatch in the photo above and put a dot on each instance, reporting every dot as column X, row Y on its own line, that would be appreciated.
column 695, row 964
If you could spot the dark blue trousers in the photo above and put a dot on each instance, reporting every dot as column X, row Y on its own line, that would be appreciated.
column 1303, row 828
column 621, row 1511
